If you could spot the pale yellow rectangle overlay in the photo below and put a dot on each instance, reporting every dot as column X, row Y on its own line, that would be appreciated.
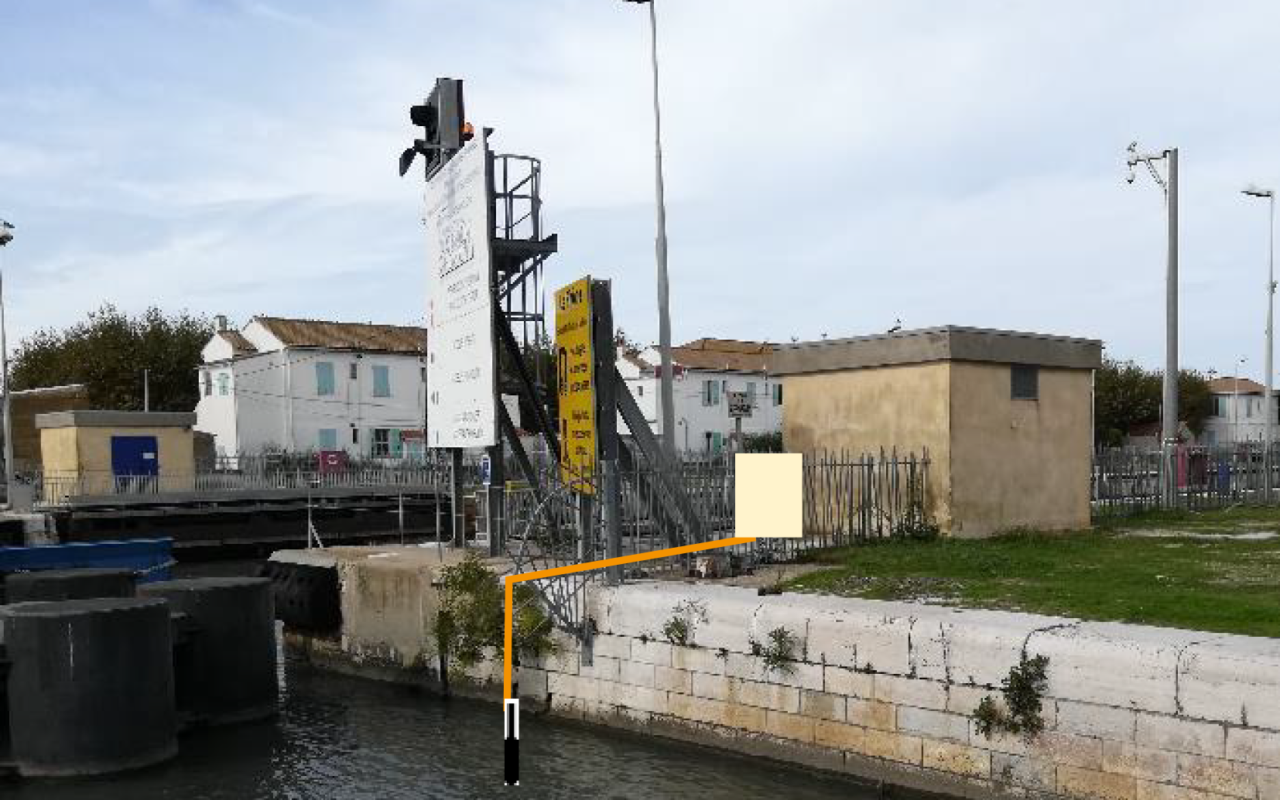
column 768, row 495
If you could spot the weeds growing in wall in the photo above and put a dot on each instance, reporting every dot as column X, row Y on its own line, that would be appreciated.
column 685, row 618
column 1023, row 692
column 778, row 650
column 470, row 620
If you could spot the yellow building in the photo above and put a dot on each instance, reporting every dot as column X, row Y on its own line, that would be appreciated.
column 1006, row 417
column 114, row 452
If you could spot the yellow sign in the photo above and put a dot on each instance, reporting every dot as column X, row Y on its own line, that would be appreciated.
column 575, row 379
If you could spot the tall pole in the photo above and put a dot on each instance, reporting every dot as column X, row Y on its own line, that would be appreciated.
column 1268, row 405
column 146, row 391
column 1169, row 428
column 667, row 394
column 5, row 238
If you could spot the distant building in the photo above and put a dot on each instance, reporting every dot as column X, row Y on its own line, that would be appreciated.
column 311, row 385
column 1238, row 412
column 705, row 371
column 1006, row 417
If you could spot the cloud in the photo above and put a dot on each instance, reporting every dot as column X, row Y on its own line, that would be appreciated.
column 831, row 165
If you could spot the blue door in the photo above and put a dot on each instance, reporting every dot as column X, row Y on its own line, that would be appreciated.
column 134, row 456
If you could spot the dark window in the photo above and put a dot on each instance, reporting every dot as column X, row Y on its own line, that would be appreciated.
column 1025, row 382
column 355, row 436
column 355, row 370
column 381, row 443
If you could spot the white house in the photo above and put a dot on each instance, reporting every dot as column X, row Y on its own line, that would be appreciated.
column 704, row 372
column 1238, row 412
column 307, row 385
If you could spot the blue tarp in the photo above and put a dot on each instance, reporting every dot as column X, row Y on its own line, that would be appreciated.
column 150, row 558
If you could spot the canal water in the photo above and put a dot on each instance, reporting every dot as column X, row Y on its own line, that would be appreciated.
column 341, row 738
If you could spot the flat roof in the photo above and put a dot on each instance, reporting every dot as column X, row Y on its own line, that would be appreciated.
column 116, row 419
column 946, row 343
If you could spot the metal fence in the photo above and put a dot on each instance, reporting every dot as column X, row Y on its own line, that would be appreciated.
column 61, row 488
column 1127, row 481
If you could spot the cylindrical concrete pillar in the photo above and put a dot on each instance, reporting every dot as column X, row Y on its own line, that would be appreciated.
column 90, row 686
column 68, row 584
column 229, row 673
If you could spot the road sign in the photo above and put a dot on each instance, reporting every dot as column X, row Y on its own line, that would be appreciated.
column 461, row 404
column 576, row 381
column 739, row 404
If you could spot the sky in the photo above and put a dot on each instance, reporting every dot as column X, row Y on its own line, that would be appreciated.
column 832, row 166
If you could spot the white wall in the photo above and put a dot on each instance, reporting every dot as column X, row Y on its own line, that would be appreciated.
column 1241, row 420
column 272, row 401
column 695, row 420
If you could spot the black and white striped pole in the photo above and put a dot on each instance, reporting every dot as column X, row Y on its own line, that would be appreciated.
column 511, row 742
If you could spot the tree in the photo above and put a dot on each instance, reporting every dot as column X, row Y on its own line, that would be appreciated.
column 108, row 352
column 1126, row 395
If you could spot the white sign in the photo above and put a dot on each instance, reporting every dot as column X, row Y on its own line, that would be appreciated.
column 739, row 404
column 461, row 410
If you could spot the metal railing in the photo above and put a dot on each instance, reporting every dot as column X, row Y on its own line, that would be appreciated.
column 60, row 488
column 1127, row 480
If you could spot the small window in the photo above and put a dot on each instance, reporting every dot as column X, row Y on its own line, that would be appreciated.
column 381, row 380
column 751, row 391
column 355, row 435
column 324, row 378
column 208, row 383
column 711, row 393
column 777, row 394
column 422, row 372
column 1024, row 382
column 381, row 443
column 327, row 439
column 354, row 371
column 224, row 384
column 640, row 390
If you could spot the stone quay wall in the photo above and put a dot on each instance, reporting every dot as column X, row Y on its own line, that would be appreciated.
column 888, row 691
column 884, row 691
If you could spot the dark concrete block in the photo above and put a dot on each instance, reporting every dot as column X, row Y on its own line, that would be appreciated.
column 68, row 584
column 227, row 670
column 91, row 685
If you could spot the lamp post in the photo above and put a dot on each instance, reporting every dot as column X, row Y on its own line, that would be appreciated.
column 666, row 393
column 1268, row 403
column 6, row 236
column 1169, row 406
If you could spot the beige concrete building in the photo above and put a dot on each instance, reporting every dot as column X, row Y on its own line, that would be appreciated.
column 108, row 452
column 1006, row 417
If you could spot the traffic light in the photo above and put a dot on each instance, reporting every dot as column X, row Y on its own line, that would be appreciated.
column 444, row 126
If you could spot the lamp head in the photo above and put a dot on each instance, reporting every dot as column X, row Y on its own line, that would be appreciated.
column 1253, row 190
column 6, row 233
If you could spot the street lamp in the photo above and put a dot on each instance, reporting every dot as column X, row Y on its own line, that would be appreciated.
column 6, row 236
column 1169, row 407
column 666, row 393
column 1269, row 401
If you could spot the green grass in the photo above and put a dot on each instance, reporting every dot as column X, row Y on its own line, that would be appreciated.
column 1154, row 570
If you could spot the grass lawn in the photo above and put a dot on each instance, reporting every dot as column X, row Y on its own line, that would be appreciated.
column 1208, row 571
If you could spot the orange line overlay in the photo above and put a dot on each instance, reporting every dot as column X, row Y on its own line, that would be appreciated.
column 511, row 580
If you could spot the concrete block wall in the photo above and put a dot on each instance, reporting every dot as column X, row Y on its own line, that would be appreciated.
column 888, row 691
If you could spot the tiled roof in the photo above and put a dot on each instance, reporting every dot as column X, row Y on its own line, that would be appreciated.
column 240, row 346
column 636, row 360
column 1234, row 385
column 346, row 335
column 724, row 354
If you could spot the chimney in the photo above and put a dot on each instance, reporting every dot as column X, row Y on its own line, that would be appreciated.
column 221, row 319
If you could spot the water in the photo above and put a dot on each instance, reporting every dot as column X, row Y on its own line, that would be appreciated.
column 340, row 738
